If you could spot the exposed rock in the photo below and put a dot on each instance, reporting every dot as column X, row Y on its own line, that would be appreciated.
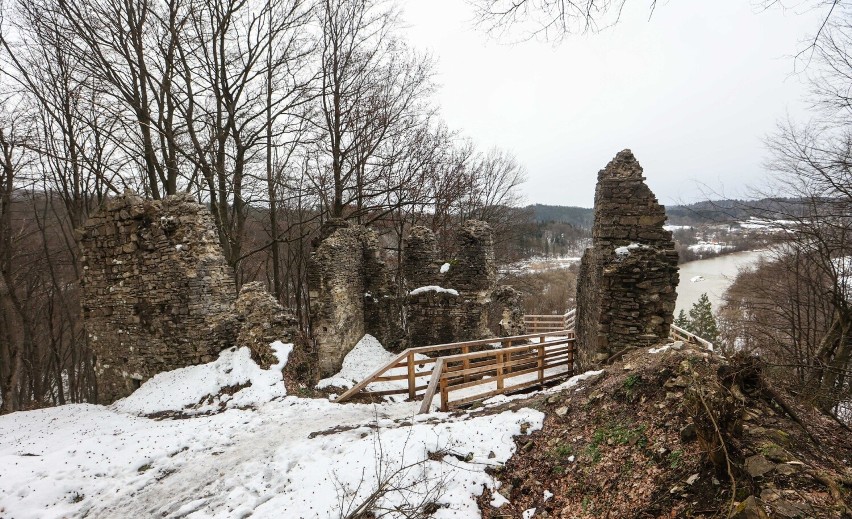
column 627, row 279
column 264, row 321
column 157, row 291
column 777, row 454
column 750, row 508
column 758, row 465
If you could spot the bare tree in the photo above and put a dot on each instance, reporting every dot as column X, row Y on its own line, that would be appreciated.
column 373, row 88
column 797, row 309
column 553, row 20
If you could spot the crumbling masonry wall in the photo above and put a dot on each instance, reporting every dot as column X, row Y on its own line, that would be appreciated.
column 627, row 279
column 157, row 291
column 263, row 321
column 352, row 294
column 349, row 292
column 449, row 303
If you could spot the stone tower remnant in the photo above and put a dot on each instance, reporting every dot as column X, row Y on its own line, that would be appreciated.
column 352, row 294
column 449, row 302
column 157, row 291
column 349, row 292
column 627, row 280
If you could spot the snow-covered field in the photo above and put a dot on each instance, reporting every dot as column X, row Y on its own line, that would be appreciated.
column 704, row 247
column 262, row 453
column 538, row 264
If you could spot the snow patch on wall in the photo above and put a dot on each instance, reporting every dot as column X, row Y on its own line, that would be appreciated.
column 433, row 288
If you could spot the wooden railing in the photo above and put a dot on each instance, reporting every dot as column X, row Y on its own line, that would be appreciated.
column 503, row 370
column 476, row 370
column 679, row 334
column 549, row 323
column 411, row 365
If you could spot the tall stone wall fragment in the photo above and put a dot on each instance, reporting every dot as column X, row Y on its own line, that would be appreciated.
column 263, row 321
column 349, row 289
column 627, row 279
column 157, row 291
column 449, row 302
column 508, row 307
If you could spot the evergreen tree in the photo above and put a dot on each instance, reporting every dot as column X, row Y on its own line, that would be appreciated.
column 701, row 321
column 682, row 320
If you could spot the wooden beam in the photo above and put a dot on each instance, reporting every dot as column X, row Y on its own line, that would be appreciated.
column 425, row 407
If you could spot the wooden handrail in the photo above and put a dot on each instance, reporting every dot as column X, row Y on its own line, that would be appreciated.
column 406, row 359
column 502, row 368
column 470, row 369
column 676, row 332
column 538, row 323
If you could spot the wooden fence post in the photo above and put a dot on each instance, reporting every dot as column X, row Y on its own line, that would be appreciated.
column 500, row 370
column 541, row 363
column 412, row 381
column 434, row 382
column 466, row 363
column 445, row 404
column 571, row 355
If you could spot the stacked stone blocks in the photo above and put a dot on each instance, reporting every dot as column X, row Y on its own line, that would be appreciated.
column 157, row 291
column 626, row 285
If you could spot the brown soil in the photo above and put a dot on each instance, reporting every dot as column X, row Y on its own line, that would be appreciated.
column 682, row 433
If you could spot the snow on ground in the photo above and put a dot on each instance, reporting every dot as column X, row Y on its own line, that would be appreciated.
column 568, row 384
column 538, row 264
column 182, row 388
column 365, row 358
column 283, row 457
column 704, row 247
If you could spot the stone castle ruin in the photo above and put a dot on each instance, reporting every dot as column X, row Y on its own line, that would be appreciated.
column 159, row 295
column 448, row 301
column 350, row 293
column 626, row 284
column 443, row 301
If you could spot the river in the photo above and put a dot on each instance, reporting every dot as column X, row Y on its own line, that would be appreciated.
column 716, row 275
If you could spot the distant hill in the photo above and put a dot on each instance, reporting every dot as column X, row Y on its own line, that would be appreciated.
column 577, row 216
column 705, row 212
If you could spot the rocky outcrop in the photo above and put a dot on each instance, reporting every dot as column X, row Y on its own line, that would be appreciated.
column 157, row 291
column 262, row 321
column 627, row 279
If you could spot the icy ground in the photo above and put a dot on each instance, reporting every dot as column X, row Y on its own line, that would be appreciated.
column 262, row 454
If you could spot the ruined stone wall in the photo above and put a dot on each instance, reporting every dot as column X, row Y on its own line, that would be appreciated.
column 450, row 305
column 420, row 265
column 263, row 321
column 507, row 310
column 157, row 291
column 626, row 286
column 350, row 293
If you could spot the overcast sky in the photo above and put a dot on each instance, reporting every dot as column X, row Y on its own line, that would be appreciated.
column 693, row 92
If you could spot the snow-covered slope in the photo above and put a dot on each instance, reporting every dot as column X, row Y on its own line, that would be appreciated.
column 262, row 453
